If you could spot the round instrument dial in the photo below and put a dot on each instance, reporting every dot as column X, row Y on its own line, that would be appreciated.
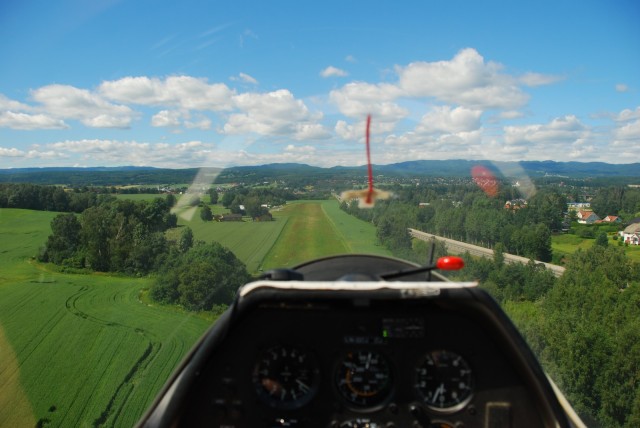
column 445, row 381
column 363, row 378
column 286, row 377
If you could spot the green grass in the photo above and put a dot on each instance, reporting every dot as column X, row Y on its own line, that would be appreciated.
column 85, row 350
column 359, row 236
column 78, row 350
column 308, row 234
column 249, row 240
column 568, row 244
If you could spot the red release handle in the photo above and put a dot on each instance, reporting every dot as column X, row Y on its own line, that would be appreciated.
column 450, row 263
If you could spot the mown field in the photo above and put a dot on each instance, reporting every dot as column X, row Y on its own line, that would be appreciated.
column 78, row 350
column 301, row 231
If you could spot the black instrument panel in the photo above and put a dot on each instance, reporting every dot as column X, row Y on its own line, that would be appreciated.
column 382, row 364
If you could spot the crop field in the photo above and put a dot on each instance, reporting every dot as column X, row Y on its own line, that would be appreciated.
column 89, row 350
column 78, row 350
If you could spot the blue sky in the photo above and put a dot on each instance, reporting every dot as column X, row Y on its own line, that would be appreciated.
column 209, row 83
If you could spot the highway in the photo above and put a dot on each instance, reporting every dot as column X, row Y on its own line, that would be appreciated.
column 458, row 247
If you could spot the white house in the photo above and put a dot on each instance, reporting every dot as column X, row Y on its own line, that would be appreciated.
column 631, row 234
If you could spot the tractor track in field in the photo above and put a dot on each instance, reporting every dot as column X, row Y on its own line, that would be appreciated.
column 125, row 388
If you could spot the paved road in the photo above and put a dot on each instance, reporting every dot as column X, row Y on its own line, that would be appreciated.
column 458, row 247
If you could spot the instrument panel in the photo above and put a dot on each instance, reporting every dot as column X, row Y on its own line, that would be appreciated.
column 380, row 364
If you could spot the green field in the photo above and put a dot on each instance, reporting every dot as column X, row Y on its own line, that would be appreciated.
column 359, row 236
column 139, row 196
column 249, row 240
column 318, row 229
column 89, row 350
column 568, row 244
column 78, row 350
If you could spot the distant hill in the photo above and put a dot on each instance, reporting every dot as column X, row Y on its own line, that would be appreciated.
column 98, row 176
column 114, row 176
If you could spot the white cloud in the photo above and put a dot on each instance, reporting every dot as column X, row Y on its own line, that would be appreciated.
column 184, row 92
column 444, row 119
column 114, row 152
column 510, row 114
column 25, row 121
column 31, row 154
column 68, row 102
column 560, row 131
column 201, row 122
column 357, row 100
column 621, row 87
column 174, row 118
column 8, row 104
column 243, row 77
column 627, row 114
column 12, row 152
column 350, row 58
column 166, row 118
column 466, row 80
column 628, row 135
column 332, row 71
column 537, row 79
column 273, row 113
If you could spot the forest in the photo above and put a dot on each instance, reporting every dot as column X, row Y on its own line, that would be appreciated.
column 465, row 213
column 584, row 326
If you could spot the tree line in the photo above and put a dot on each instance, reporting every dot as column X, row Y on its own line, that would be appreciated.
column 128, row 237
column 49, row 198
column 465, row 213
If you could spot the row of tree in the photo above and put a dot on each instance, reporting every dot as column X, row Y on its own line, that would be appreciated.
column 467, row 214
column 48, row 198
column 113, row 236
column 128, row 237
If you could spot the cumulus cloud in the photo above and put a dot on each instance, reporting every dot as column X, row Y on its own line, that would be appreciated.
column 166, row 118
column 68, row 102
column 9, row 104
column 628, row 114
column 25, row 121
column 332, row 71
column 274, row 113
column 357, row 100
column 627, row 134
column 444, row 119
column 115, row 152
column 549, row 138
column 466, row 80
column 11, row 152
column 184, row 92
